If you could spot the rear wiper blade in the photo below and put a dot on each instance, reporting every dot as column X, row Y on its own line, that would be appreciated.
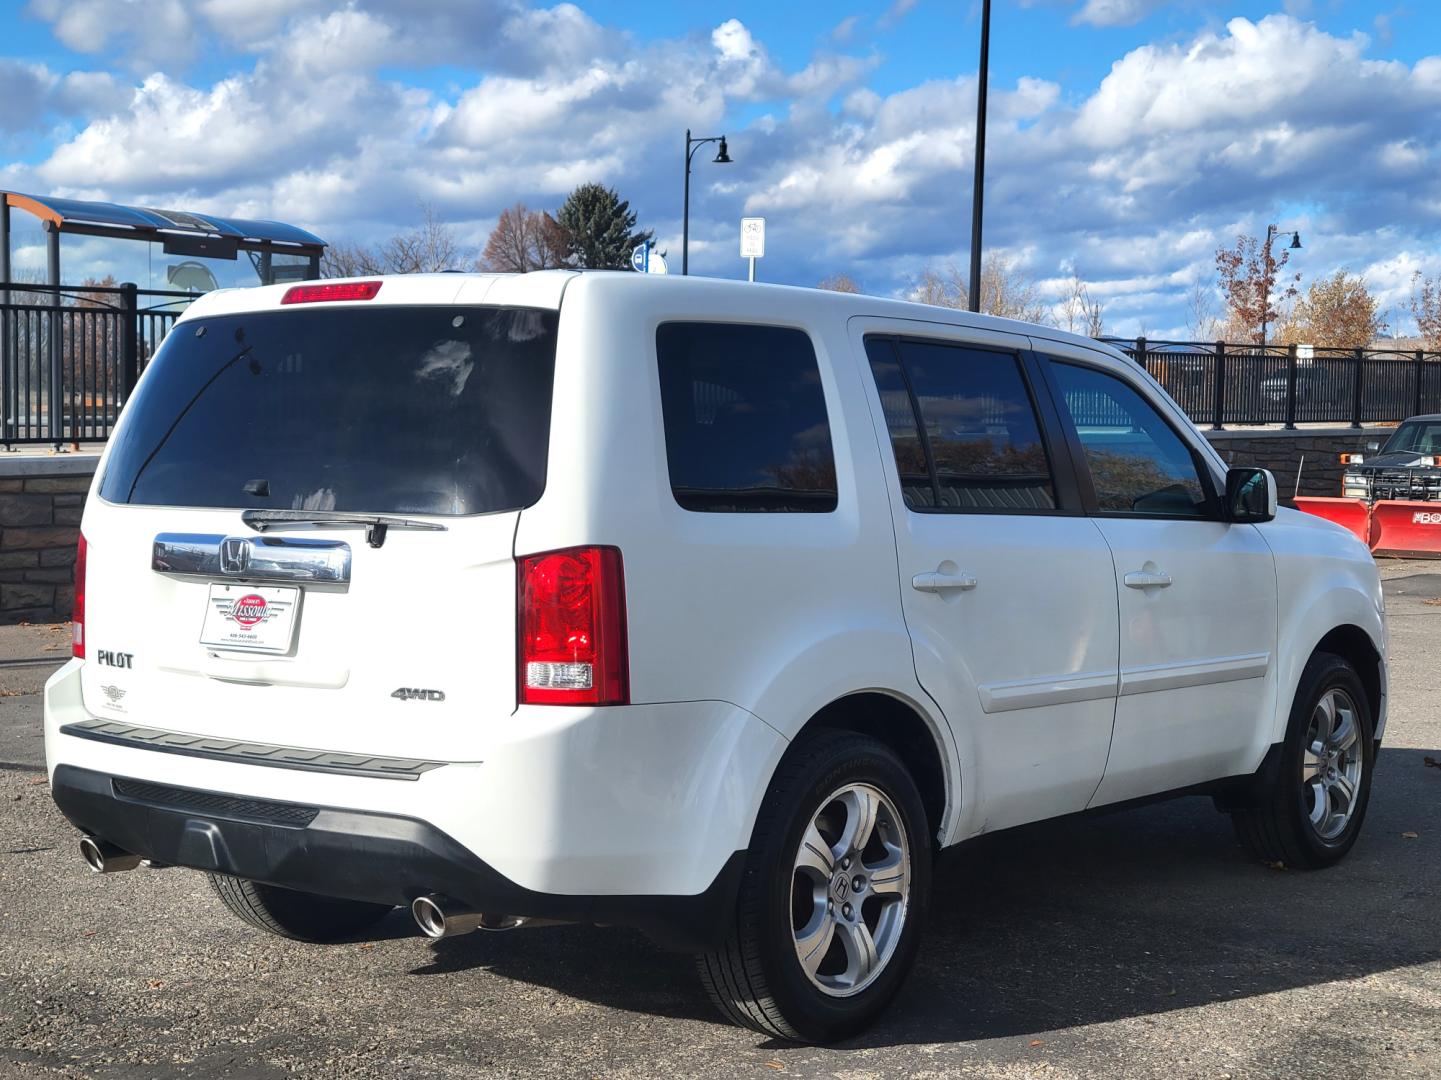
column 375, row 525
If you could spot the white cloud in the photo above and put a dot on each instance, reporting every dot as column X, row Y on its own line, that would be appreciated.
column 1183, row 143
column 1114, row 12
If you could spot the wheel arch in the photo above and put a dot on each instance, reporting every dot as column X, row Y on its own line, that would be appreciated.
column 906, row 729
column 1354, row 644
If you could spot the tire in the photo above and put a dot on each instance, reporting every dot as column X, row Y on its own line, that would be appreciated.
column 296, row 915
column 1282, row 826
column 824, row 787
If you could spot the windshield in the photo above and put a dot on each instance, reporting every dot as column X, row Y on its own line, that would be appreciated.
column 1415, row 437
column 428, row 410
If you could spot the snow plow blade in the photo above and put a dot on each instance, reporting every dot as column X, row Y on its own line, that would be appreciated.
column 1406, row 528
column 1354, row 515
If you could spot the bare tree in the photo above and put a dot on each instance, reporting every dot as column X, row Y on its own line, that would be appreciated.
column 839, row 283
column 1201, row 321
column 525, row 240
column 1249, row 275
column 427, row 249
column 1006, row 290
column 1426, row 308
column 1082, row 315
column 350, row 260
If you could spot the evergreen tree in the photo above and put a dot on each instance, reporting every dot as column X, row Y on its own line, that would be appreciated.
column 601, row 228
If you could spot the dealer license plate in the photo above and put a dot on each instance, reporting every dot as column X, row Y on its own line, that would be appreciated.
column 251, row 618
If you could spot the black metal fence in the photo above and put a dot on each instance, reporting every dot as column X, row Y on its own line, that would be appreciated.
column 69, row 356
column 1220, row 384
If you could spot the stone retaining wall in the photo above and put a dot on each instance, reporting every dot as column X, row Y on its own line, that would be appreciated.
column 41, row 500
column 1313, row 453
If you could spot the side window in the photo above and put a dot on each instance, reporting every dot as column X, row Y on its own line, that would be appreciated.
column 915, row 471
column 1138, row 463
column 962, row 419
column 745, row 419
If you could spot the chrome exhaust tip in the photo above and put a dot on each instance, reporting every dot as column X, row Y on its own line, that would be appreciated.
column 441, row 917
column 104, row 857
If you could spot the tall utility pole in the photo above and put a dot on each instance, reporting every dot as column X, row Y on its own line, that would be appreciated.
column 978, row 191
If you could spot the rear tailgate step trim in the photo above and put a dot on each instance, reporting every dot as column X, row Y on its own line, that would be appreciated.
column 278, row 757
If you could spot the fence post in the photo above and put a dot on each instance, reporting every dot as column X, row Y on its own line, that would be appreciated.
column 129, row 339
column 1420, row 375
column 1356, row 390
column 1291, row 387
column 56, row 411
column 1218, row 420
column 1141, row 352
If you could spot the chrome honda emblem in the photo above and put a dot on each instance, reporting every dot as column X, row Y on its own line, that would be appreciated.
column 234, row 555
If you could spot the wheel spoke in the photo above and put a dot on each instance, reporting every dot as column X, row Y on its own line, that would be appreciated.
column 1311, row 765
column 815, row 859
column 1320, row 805
column 860, row 947
column 1326, row 716
column 1344, row 736
column 1345, row 792
column 861, row 808
column 814, row 940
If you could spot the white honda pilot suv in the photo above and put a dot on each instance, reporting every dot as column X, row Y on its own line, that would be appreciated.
column 708, row 608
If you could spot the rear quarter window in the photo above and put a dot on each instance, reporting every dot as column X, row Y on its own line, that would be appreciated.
column 746, row 428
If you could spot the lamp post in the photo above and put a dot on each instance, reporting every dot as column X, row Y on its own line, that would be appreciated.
column 721, row 158
column 1271, row 232
column 979, row 182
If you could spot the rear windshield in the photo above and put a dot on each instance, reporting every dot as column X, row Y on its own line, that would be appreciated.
column 424, row 410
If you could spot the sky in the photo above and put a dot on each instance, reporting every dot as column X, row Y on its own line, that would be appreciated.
column 1127, row 139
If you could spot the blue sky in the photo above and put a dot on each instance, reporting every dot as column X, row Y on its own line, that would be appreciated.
column 1129, row 138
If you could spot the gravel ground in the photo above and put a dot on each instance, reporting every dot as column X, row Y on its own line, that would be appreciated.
column 1138, row 944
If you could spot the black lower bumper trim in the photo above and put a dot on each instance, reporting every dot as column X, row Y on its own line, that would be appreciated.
column 359, row 855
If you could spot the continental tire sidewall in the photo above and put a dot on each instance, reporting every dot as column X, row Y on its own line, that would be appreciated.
column 814, row 1014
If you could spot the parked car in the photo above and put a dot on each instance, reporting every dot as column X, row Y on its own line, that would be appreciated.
column 709, row 608
column 1314, row 386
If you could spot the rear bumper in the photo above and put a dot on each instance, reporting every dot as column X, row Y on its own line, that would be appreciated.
column 357, row 855
column 630, row 814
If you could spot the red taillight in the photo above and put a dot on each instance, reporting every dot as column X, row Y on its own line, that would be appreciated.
column 572, row 632
column 341, row 290
column 77, row 617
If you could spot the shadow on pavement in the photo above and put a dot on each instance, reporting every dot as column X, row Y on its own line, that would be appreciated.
column 1083, row 921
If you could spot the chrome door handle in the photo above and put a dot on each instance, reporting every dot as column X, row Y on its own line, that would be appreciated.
column 937, row 582
column 1142, row 579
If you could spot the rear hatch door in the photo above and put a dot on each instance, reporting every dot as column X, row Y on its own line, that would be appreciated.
column 305, row 528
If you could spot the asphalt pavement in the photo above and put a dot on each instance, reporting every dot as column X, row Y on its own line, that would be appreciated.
column 1144, row 943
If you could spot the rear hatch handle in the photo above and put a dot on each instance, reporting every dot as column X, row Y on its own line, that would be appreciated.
column 375, row 525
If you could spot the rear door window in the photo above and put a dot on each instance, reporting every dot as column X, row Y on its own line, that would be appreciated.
column 427, row 410
column 745, row 419
column 963, row 427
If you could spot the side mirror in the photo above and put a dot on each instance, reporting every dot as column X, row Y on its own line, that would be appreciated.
column 1373, row 445
column 1250, row 495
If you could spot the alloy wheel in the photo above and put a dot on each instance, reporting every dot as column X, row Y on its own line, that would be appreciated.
column 850, row 890
column 1331, row 765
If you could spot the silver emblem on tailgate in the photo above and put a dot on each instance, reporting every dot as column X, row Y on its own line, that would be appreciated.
column 234, row 555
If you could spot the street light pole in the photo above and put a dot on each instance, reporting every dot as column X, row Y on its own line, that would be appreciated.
column 1271, row 232
column 978, row 184
column 721, row 158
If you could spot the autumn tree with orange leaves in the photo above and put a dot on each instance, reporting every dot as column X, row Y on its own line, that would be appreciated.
column 1250, row 274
